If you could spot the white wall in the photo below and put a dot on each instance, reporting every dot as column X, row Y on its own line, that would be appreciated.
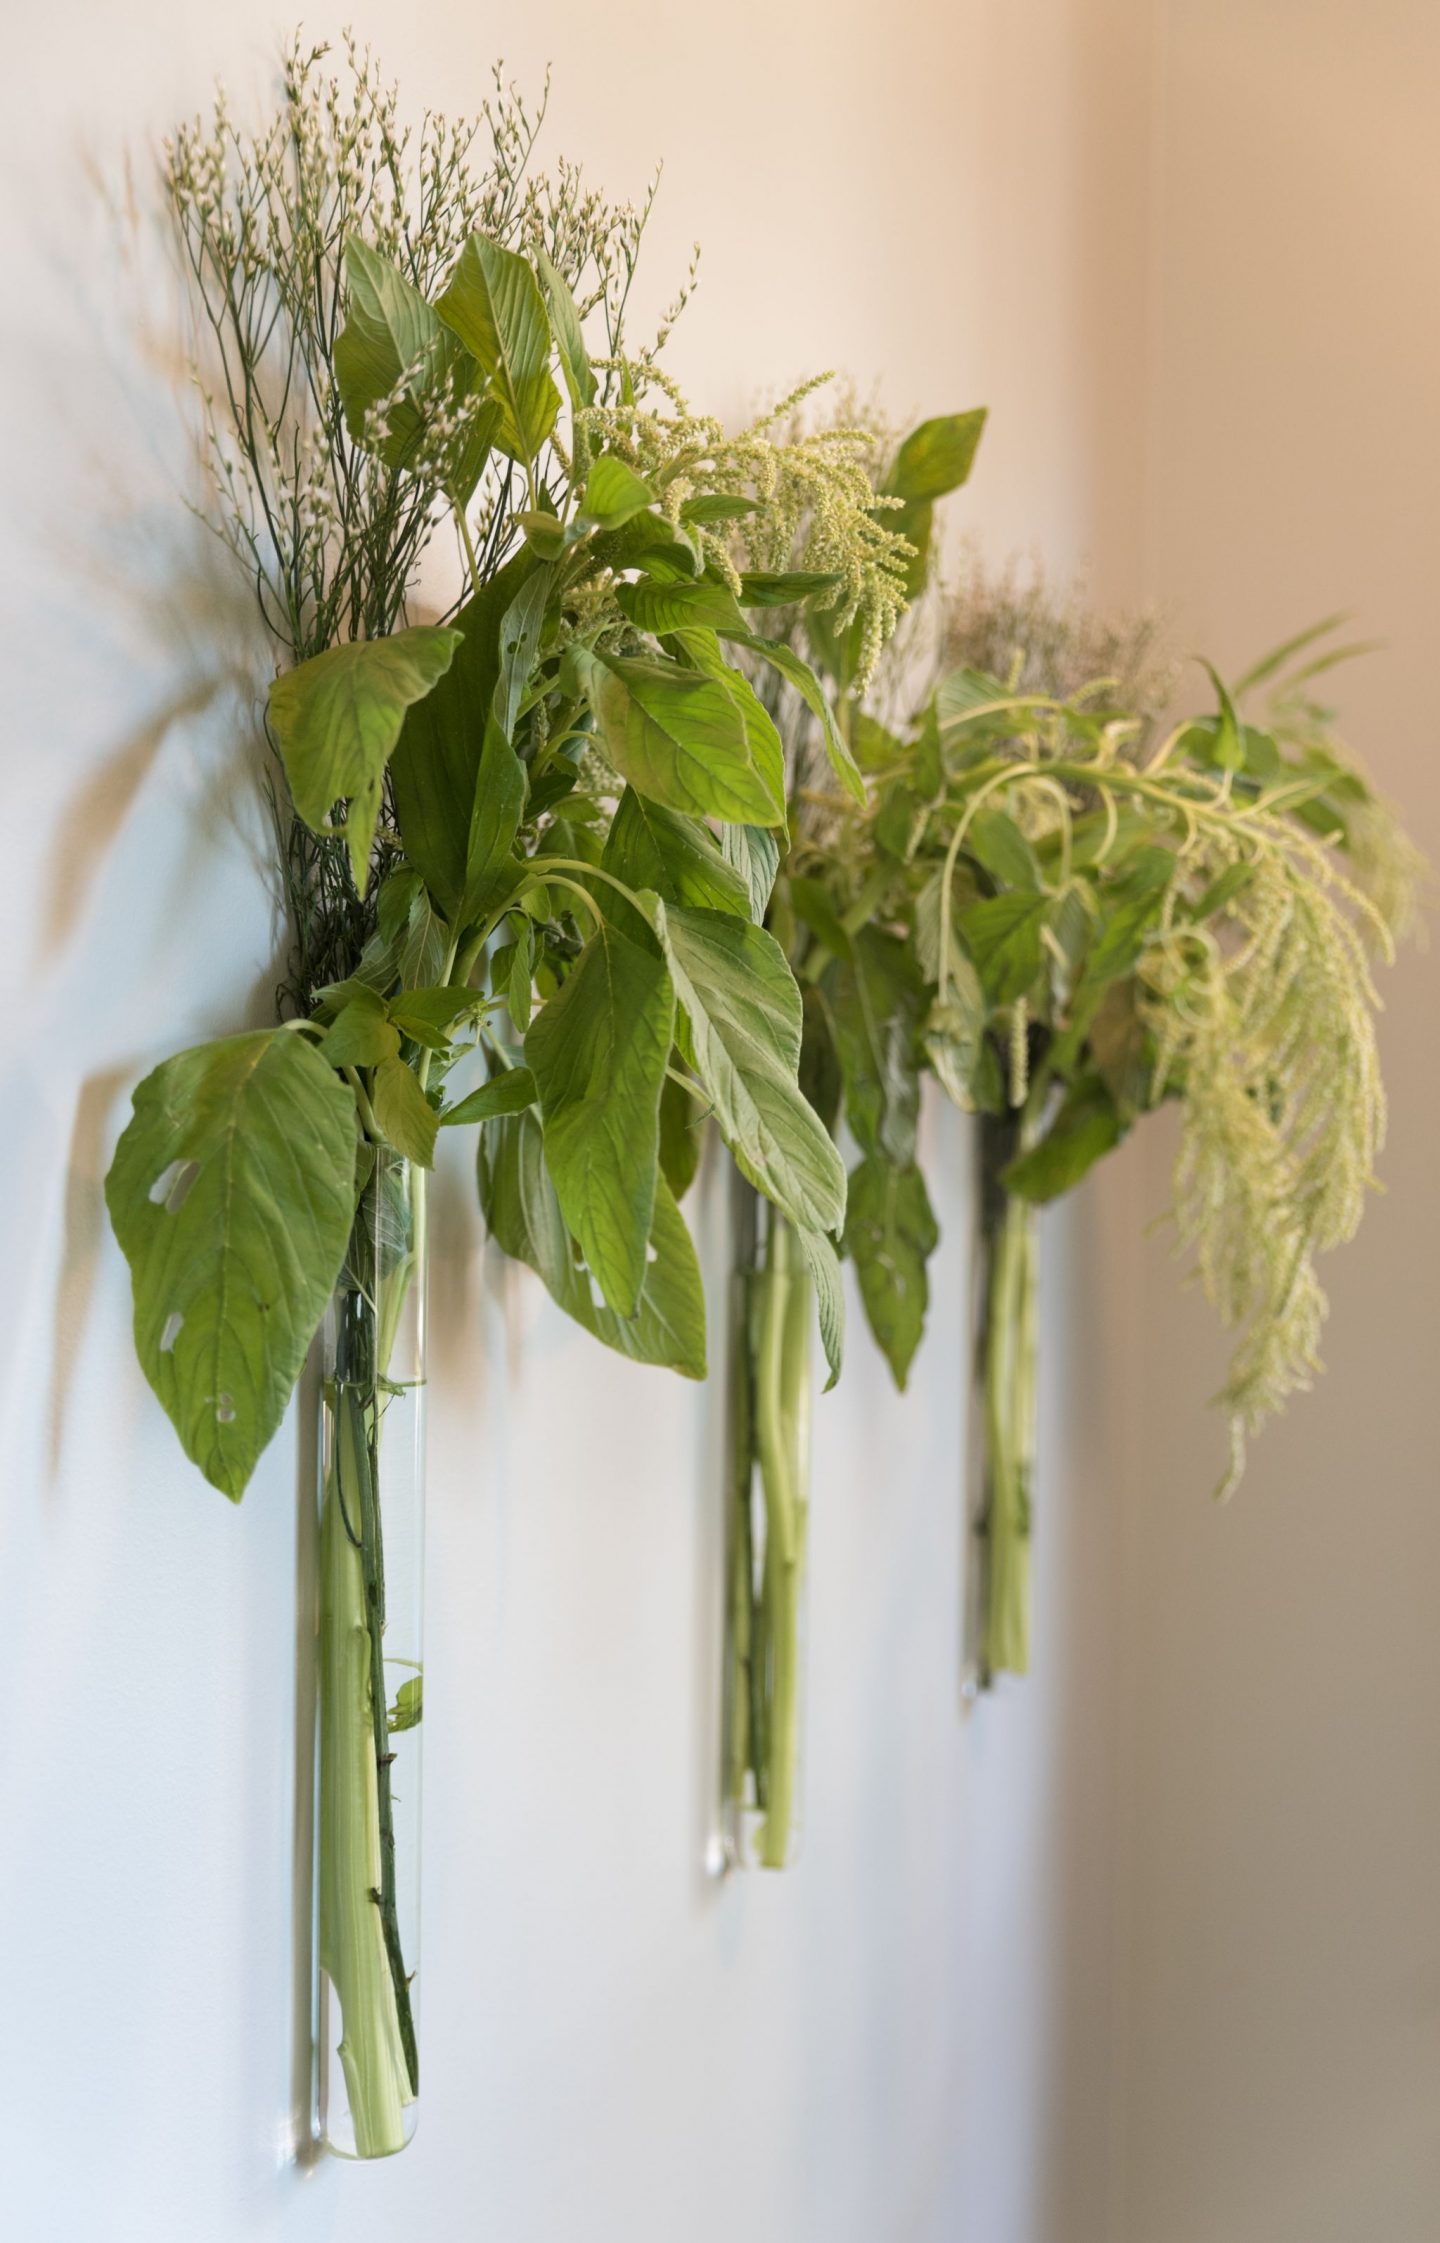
column 1280, row 1964
column 906, row 2038
column 1143, row 1953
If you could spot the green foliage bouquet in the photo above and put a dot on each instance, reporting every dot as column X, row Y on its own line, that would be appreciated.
column 770, row 1354
column 1069, row 913
column 538, row 830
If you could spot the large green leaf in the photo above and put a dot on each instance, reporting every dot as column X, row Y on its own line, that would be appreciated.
column 753, row 852
column 509, row 1092
column 459, row 786
column 569, row 340
column 659, row 608
column 684, row 740
column 393, row 337
column 521, row 1207
column 493, row 303
column 1131, row 907
column 936, row 457
column 521, row 626
column 702, row 650
column 338, row 717
column 406, row 1117
column 614, row 492
column 823, row 1264
column 876, row 997
column 953, row 1035
column 743, row 1029
column 1005, row 937
column 650, row 847
column 890, row 1233
column 798, row 673
column 231, row 1193
column 598, row 1051
column 1087, row 1126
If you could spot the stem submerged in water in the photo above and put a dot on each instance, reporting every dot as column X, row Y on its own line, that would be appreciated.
column 359, row 1925
column 1008, row 1353
column 771, row 1435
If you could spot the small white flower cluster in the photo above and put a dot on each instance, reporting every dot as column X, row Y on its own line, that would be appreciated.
column 329, row 531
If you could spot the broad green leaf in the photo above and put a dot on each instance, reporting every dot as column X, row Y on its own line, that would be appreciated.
column 753, row 852
column 523, row 1212
column 936, row 457
column 799, row 674
column 1122, row 1050
column 459, row 786
column 544, row 533
column 338, row 717
column 1087, row 1125
column 709, row 507
column 890, row 1233
column 520, row 629
column 683, row 740
column 702, row 650
column 928, row 916
column 813, row 907
column 360, row 1036
column 231, row 1193
column 824, row 1266
column 509, row 1092
column 954, row 1034
column 876, row 998
column 901, row 821
column 613, row 492
column 682, row 1131
column 392, row 335
column 647, row 540
column 406, row 1117
column 598, row 1051
column 822, row 1084
column 1004, row 936
column 996, row 843
column 876, row 748
column 650, row 847
column 519, row 982
column 785, row 588
column 432, row 1011
column 915, row 522
column 743, row 1028
column 569, row 340
column 425, row 947
column 493, row 303
column 1130, row 908
column 397, row 896
column 659, row 608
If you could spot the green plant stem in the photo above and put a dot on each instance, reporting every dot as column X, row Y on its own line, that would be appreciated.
column 1008, row 1356
column 360, row 1945
column 772, row 1444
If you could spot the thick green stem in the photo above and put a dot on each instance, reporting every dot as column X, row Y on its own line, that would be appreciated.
column 771, row 1403
column 1008, row 1358
column 360, row 1944
column 353, row 1948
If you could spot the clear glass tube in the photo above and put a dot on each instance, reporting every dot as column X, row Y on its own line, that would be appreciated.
column 771, row 1387
column 1007, row 1367
column 371, row 1539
